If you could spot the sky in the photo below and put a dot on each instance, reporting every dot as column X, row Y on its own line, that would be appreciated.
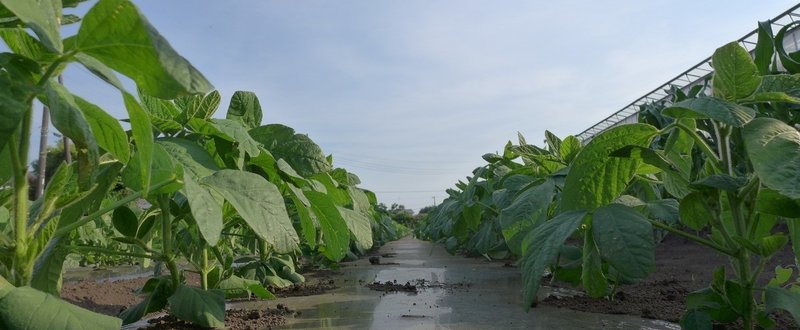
column 409, row 94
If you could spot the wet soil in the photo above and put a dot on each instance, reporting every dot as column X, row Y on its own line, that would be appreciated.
column 682, row 267
column 392, row 286
column 308, row 288
column 235, row 319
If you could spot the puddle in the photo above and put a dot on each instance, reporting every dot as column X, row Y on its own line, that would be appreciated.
column 453, row 293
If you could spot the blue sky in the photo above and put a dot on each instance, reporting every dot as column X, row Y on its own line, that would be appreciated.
column 409, row 94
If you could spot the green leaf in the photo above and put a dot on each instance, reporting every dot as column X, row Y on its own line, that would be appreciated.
column 778, row 298
column 794, row 234
column 335, row 233
column 125, row 221
column 142, row 136
column 28, row 308
column 771, row 244
column 197, row 106
column 107, row 131
column 163, row 168
column 773, row 149
column 771, row 202
column 528, row 210
column 696, row 320
column 49, row 267
column 570, row 148
column 70, row 121
column 721, row 182
column 596, row 179
column 204, row 308
column 116, row 34
column 735, row 75
column 764, row 47
column 100, row 70
column 709, row 107
column 22, row 43
column 540, row 249
column 788, row 60
column 205, row 208
column 194, row 159
column 228, row 130
column 625, row 240
column 259, row 203
column 245, row 107
column 553, row 142
column 158, row 290
column 41, row 16
column 592, row 277
column 693, row 211
column 308, row 220
column 360, row 227
column 780, row 83
column 298, row 150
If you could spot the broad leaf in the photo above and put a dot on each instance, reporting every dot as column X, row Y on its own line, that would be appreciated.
column 259, row 203
column 592, row 277
column 771, row 202
column 625, row 240
column 70, row 121
column 163, row 169
column 228, row 130
column 194, row 159
column 709, row 107
column 528, row 210
column 107, row 131
column 778, row 298
column 49, row 267
column 596, row 179
column 360, row 227
column 298, row 150
column 143, row 137
column 41, row 16
column 204, row 308
column 206, row 209
column 24, row 308
column 764, row 47
column 125, row 221
column 335, row 233
column 115, row 33
column 693, row 211
column 735, row 75
column 540, row 249
column 245, row 107
column 773, row 149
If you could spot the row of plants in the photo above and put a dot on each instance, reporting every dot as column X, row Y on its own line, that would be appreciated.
column 717, row 164
column 236, row 202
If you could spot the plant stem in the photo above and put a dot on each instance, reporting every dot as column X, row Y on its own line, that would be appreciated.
column 125, row 200
column 694, row 238
column 20, row 263
column 166, row 240
column 204, row 267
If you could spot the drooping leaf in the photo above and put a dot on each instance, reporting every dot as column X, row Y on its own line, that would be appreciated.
column 764, row 47
column 245, row 107
column 335, row 233
column 41, row 16
column 24, row 308
column 259, row 203
column 142, row 136
column 596, row 179
column 789, row 61
column 298, row 150
column 308, row 220
column 772, row 146
column 157, row 291
column 201, row 307
column 67, row 117
column 592, row 277
column 528, row 210
column 540, row 249
column 48, row 269
column 779, row 298
column 710, row 107
column 206, row 209
column 107, row 131
column 360, row 227
column 625, row 240
column 735, row 75
column 117, row 34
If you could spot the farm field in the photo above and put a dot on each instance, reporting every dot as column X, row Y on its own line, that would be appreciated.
column 183, row 213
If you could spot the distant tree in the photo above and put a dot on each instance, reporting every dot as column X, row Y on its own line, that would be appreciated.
column 426, row 210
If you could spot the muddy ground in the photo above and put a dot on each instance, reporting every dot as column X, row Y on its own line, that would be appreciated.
column 681, row 267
